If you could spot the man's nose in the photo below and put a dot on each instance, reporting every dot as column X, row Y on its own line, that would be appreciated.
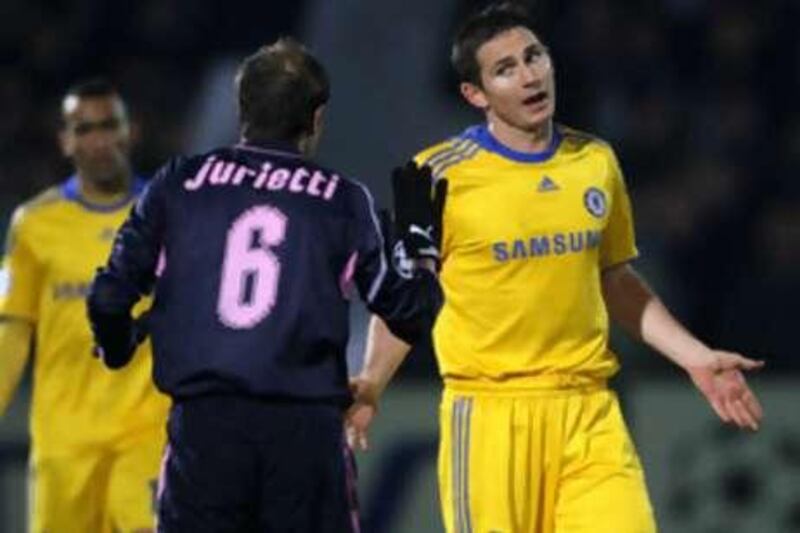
column 531, row 75
column 100, row 139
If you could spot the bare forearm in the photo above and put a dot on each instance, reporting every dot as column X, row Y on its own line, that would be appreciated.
column 15, row 342
column 634, row 306
column 717, row 374
column 384, row 355
column 664, row 333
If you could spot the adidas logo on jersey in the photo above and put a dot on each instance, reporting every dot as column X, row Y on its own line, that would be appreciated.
column 547, row 185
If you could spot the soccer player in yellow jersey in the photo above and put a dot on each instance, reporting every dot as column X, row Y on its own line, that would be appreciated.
column 96, row 436
column 537, row 240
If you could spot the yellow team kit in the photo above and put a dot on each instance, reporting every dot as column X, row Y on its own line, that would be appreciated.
column 84, row 418
column 527, row 421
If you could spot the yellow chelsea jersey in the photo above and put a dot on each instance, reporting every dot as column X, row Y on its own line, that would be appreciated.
column 525, row 239
column 55, row 244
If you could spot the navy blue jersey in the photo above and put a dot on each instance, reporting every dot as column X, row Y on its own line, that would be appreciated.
column 253, row 252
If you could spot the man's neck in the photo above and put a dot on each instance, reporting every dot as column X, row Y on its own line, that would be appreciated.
column 104, row 194
column 533, row 141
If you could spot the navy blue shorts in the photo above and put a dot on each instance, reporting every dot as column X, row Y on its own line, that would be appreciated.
column 239, row 464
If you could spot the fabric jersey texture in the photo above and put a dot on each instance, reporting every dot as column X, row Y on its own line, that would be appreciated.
column 105, row 489
column 96, row 435
column 532, row 440
column 253, row 253
column 524, row 241
column 545, row 461
column 55, row 244
column 240, row 464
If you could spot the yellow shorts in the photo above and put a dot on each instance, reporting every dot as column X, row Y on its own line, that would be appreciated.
column 99, row 489
column 540, row 461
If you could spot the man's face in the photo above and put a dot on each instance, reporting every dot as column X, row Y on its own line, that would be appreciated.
column 517, row 81
column 96, row 137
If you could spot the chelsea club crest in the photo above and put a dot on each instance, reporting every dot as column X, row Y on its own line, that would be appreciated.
column 595, row 201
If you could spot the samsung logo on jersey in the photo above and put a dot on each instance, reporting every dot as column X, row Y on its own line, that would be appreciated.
column 216, row 172
column 70, row 290
column 544, row 245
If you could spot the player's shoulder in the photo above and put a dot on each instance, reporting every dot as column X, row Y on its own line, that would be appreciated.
column 38, row 205
column 175, row 166
column 44, row 198
column 450, row 152
column 352, row 187
column 575, row 141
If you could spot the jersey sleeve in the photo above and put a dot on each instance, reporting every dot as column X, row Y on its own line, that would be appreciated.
column 21, row 274
column 129, row 274
column 619, row 241
column 408, row 305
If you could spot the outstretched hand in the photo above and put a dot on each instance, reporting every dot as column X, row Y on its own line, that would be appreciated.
column 359, row 416
column 722, row 382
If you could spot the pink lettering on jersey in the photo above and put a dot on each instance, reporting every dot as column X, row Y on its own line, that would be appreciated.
column 241, row 173
column 278, row 179
column 221, row 173
column 261, row 180
column 218, row 172
column 297, row 183
column 330, row 190
column 258, row 267
column 197, row 181
column 314, row 184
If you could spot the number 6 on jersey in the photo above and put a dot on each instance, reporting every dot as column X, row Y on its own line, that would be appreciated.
column 250, row 270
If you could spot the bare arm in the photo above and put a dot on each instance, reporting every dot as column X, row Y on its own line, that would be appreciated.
column 716, row 373
column 637, row 309
column 383, row 356
column 15, row 347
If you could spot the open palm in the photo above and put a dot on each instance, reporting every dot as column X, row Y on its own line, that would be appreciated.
column 722, row 382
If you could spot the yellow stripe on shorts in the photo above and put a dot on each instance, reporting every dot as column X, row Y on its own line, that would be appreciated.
column 462, row 411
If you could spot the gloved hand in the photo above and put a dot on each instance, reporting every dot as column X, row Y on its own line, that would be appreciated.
column 118, row 337
column 418, row 207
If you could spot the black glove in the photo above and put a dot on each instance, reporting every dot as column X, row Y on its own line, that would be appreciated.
column 418, row 207
column 117, row 337
column 141, row 328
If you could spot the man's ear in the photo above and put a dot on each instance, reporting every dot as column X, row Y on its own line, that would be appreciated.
column 319, row 116
column 474, row 95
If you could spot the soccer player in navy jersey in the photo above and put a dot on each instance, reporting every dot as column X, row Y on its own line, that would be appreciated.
column 251, row 252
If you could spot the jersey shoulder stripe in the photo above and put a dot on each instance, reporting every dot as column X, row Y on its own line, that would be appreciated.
column 22, row 214
column 47, row 197
column 430, row 155
column 469, row 151
column 576, row 140
column 445, row 154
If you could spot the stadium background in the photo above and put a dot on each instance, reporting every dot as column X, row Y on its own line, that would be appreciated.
column 699, row 97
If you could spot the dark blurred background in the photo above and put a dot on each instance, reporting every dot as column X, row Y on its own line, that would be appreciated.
column 698, row 97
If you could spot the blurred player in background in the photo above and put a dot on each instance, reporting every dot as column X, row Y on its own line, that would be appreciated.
column 96, row 436
column 261, row 249
column 537, row 243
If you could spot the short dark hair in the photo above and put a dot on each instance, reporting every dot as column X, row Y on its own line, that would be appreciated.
column 280, row 87
column 480, row 28
column 96, row 87
column 87, row 88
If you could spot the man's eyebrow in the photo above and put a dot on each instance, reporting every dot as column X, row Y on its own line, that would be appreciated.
column 509, row 59
column 535, row 47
